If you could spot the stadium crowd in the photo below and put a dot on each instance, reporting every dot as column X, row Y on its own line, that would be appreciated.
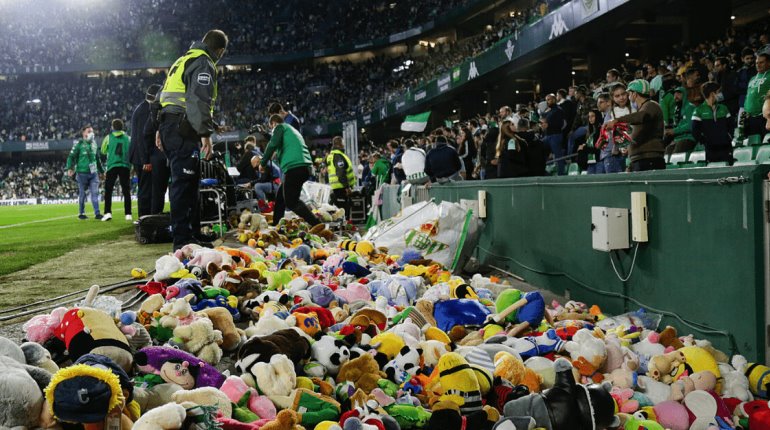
column 56, row 107
column 113, row 32
column 36, row 180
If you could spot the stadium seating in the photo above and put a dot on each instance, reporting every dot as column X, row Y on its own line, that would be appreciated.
column 743, row 156
column 763, row 155
column 698, row 158
column 574, row 169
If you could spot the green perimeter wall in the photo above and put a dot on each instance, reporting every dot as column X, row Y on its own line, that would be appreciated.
column 704, row 260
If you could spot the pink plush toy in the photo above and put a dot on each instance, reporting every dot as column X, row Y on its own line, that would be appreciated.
column 672, row 415
column 624, row 401
column 234, row 388
column 41, row 327
column 354, row 292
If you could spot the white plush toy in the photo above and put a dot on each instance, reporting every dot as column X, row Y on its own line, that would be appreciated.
column 170, row 416
column 735, row 383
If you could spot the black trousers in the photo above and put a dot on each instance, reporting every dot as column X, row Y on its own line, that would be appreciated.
column 143, row 191
column 184, row 158
column 658, row 163
column 341, row 200
column 161, row 173
column 288, row 194
column 124, row 174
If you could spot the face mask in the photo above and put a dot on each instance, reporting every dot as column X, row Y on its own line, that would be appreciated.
column 90, row 136
column 634, row 105
column 720, row 97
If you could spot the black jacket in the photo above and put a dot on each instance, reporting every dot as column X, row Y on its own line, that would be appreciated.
column 513, row 161
column 442, row 162
column 487, row 149
column 138, row 153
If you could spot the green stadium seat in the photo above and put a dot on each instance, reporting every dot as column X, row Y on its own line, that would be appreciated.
column 698, row 158
column 678, row 158
column 718, row 164
column 743, row 154
column 745, row 163
column 573, row 170
column 763, row 155
column 754, row 139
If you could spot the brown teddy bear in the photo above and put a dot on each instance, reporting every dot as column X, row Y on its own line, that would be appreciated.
column 285, row 420
column 660, row 366
column 363, row 372
column 223, row 321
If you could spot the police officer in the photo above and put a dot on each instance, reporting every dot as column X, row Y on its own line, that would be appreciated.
column 342, row 178
column 187, row 104
column 140, row 150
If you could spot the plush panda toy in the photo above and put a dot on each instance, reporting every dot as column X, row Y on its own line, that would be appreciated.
column 331, row 353
column 405, row 365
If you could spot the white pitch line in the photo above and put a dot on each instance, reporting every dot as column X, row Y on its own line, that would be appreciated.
column 35, row 222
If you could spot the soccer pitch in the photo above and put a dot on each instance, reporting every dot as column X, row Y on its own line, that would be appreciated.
column 36, row 233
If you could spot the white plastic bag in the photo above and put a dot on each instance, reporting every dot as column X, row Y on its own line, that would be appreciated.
column 437, row 231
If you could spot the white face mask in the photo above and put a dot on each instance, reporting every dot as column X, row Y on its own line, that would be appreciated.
column 90, row 136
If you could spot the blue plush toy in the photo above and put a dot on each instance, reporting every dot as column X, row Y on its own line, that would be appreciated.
column 464, row 312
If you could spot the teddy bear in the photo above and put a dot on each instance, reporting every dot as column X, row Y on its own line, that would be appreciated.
column 22, row 403
column 290, row 342
column 205, row 396
column 200, row 339
column 404, row 365
column 512, row 369
column 364, row 372
column 169, row 416
column 274, row 379
column 660, row 366
column 735, row 383
column 177, row 312
column 223, row 321
column 40, row 328
column 588, row 354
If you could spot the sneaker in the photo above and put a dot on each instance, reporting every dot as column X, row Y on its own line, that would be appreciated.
column 99, row 216
column 82, row 216
column 106, row 217
column 129, row 217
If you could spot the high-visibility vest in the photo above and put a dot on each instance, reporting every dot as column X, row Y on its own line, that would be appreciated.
column 332, row 169
column 174, row 89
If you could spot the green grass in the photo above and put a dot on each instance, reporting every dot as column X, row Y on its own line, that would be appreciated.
column 51, row 236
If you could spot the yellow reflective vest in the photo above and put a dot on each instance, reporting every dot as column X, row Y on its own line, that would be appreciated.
column 174, row 89
column 334, row 180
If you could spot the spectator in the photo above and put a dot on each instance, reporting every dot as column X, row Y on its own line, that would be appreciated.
column 487, row 153
column 116, row 147
column 711, row 125
column 554, row 120
column 578, row 128
column 442, row 164
column 511, row 152
column 646, row 150
column 758, row 86
column 587, row 152
column 84, row 162
column 396, row 169
column 610, row 159
column 726, row 79
column 467, row 152
column 683, row 140
column 744, row 75
column 380, row 169
column 413, row 162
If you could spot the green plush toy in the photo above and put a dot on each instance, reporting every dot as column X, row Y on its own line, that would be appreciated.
column 279, row 279
column 505, row 299
column 312, row 408
column 640, row 422
column 241, row 410
column 213, row 292
column 389, row 387
column 408, row 416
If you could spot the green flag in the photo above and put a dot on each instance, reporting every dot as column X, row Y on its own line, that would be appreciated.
column 416, row 123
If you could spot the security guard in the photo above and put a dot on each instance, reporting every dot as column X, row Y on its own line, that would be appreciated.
column 140, row 150
column 342, row 178
column 187, row 104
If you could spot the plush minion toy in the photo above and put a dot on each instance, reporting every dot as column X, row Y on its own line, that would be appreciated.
column 459, row 383
column 462, row 291
column 759, row 379
column 89, row 395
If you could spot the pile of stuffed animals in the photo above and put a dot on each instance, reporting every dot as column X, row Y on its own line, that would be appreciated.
column 300, row 328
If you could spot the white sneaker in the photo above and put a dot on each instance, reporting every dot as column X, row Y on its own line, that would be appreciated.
column 129, row 218
column 107, row 217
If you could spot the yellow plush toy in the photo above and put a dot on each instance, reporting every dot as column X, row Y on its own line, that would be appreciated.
column 459, row 384
column 509, row 367
column 389, row 344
